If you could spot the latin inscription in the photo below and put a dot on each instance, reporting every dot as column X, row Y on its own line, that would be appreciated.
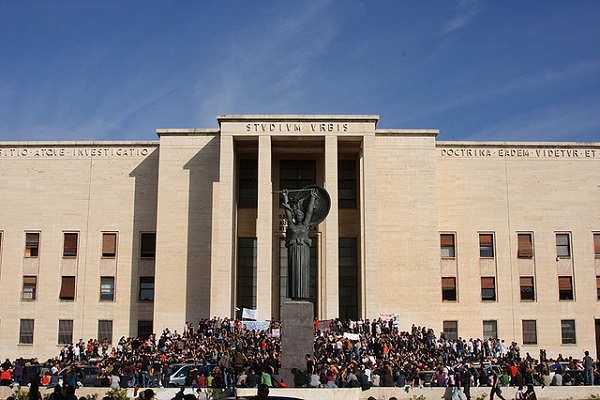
column 519, row 153
column 61, row 152
column 297, row 127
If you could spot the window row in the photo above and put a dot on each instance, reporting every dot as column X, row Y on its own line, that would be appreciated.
column 70, row 246
column 524, row 245
column 296, row 174
column 107, row 288
column 526, row 288
column 65, row 330
column 528, row 326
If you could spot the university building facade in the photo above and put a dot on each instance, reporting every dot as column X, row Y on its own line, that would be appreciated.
column 476, row 239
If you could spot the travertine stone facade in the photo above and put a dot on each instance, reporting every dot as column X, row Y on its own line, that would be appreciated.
column 470, row 237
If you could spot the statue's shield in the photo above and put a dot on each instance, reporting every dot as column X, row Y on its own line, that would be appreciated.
column 322, row 203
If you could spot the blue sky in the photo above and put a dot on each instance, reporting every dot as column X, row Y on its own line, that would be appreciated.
column 475, row 70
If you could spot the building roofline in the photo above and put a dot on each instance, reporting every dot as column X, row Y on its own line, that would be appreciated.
column 296, row 117
column 516, row 144
column 187, row 131
column 408, row 132
column 72, row 143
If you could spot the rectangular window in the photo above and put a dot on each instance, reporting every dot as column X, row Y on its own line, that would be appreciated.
column 490, row 329
column 567, row 329
column 105, row 330
column 525, row 245
column 598, row 287
column 563, row 245
column 597, row 245
column 449, row 288
column 486, row 245
column 148, row 245
column 488, row 288
column 32, row 244
column 145, row 329
column 447, row 245
column 450, row 329
column 109, row 244
column 348, row 278
column 248, row 184
column 529, row 331
column 26, row 331
column 107, row 288
column 347, row 183
column 146, row 288
column 527, row 290
column 565, row 287
column 297, row 174
column 29, row 287
column 67, row 288
column 246, row 273
column 70, row 244
column 65, row 331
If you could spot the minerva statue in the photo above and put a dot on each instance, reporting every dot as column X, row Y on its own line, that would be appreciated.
column 307, row 208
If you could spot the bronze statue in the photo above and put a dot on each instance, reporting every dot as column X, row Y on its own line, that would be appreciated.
column 309, row 207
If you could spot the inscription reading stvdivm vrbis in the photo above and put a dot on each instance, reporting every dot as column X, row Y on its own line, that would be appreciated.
column 297, row 127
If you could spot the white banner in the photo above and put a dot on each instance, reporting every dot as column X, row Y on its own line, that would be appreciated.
column 351, row 336
column 257, row 325
column 385, row 316
column 249, row 313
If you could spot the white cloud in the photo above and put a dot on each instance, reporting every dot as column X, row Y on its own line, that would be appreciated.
column 466, row 12
column 266, row 65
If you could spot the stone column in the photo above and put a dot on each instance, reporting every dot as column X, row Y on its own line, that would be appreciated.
column 330, row 265
column 223, row 225
column 264, row 231
column 368, row 215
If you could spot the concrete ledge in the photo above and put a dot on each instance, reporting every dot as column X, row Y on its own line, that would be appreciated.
column 548, row 393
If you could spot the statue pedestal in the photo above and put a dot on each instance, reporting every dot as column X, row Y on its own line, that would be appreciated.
column 297, row 337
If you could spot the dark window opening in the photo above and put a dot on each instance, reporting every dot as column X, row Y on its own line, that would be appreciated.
column 486, row 245
column 248, row 184
column 449, row 288
column 148, row 245
column 488, row 288
column 527, row 289
column 146, row 288
column 347, row 188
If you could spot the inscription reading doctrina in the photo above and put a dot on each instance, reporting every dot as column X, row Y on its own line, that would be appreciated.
column 522, row 152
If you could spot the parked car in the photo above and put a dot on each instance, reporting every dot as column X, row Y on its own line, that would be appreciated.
column 571, row 377
column 181, row 371
column 427, row 378
column 87, row 375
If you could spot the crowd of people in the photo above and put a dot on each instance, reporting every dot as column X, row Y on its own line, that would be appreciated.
column 226, row 353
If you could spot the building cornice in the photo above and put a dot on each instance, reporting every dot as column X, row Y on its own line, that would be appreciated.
column 187, row 132
column 299, row 118
column 76, row 143
column 407, row 132
column 518, row 144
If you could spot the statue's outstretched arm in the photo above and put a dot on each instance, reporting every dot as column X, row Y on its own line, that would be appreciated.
column 286, row 206
column 311, row 205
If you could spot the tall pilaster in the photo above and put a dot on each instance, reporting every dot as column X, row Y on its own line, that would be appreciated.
column 264, row 230
column 330, row 266
column 368, row 210
column 222, row 264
